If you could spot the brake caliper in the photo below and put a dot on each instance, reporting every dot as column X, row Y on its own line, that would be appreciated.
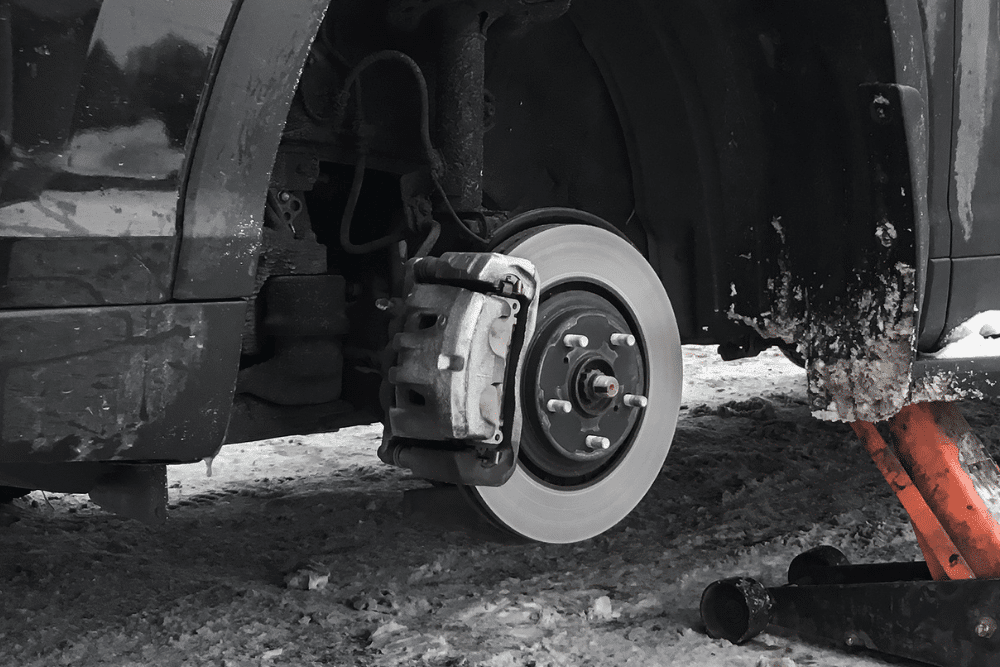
column 456, row 413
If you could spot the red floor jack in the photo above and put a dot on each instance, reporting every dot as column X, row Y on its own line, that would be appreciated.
column 943, row 611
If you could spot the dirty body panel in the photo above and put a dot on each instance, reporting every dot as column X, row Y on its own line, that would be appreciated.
column 91, row 220
column 127, row 383
column 101, row 99
column 882, row 238
column 975, row 185
column 817, row 232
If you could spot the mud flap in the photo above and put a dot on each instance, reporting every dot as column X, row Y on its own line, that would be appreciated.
column 848, row 299
column 134, row 491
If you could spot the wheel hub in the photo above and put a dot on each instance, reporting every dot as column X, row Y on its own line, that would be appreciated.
column 586, row 361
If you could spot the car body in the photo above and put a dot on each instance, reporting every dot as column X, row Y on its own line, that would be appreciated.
column 819, row 175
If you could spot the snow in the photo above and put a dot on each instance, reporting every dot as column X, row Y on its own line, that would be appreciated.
column 977, row 337
column 751, row 481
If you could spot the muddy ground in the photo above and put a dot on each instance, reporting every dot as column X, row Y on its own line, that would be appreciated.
column 299, row 552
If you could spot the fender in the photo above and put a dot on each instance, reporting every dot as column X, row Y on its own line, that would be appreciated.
column 137, row 378
column 98, row 100
column 231, row 164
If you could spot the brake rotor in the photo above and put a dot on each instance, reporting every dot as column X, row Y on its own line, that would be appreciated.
column 601, row 388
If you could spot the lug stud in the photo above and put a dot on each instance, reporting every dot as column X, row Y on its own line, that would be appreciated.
column 556, row 405
column 597, row 442
column 635, row 401
column 575, row 340
column 619, row 339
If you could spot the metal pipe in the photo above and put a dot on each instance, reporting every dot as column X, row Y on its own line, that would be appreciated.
column 939, row 551
column 933, row 441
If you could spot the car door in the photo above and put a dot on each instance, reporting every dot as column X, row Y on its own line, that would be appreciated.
column 974, row 197
column 99, row 101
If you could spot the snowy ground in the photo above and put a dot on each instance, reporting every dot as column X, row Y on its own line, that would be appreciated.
column 751, row 481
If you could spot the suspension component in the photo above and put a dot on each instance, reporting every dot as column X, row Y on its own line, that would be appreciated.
column 460, row 31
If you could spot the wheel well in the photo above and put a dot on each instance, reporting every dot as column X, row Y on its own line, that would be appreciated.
column 707, row 124
column 683, row 126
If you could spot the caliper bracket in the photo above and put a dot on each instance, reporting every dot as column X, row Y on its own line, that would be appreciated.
column 456, row 415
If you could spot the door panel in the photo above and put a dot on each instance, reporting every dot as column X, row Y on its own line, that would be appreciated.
column 100, row 99
column 975, row 162
column 976, row 158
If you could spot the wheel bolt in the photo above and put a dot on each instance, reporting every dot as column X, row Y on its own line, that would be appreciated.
column 618, row 339
column 605, row 385
column 597, row 442
column 556, row 405
column 635, row 401
column 575, row 340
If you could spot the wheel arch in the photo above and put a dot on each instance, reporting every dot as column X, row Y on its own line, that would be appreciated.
column 240, row 126
column 670, row 134
column 671, row 80
column 773, row 182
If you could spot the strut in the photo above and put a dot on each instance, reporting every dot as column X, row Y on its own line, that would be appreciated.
column 942, row 611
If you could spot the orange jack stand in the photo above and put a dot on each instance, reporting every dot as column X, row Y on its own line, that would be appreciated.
column 952, row 490
column 945, row 612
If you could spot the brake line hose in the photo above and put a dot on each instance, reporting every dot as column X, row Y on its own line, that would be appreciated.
column 353, row 84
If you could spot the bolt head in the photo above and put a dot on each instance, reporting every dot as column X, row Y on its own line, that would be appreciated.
column 511, row 285
column 986, row 627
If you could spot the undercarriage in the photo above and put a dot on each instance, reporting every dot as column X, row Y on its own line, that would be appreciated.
column 527, row 355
